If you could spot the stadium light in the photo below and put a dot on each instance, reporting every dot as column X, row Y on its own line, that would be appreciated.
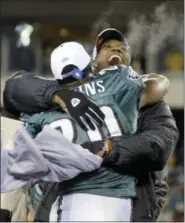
column 24, row 31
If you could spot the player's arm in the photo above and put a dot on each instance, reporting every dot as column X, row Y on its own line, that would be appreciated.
column 34, row 124
column 156, row 86
column 27, row 93
column 149, row 149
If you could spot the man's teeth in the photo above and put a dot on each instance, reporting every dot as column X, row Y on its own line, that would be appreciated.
column 115, row 56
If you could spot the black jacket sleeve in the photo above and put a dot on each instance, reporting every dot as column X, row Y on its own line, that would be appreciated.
column 161, row 191
column 149, row 149
column 27, row 93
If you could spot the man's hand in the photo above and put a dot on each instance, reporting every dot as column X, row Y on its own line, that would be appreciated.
column 80, row 107
column 156, row 86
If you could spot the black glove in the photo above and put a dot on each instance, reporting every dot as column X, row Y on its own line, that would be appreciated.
column 81, row 108
column 5, row 215
column 93, row 147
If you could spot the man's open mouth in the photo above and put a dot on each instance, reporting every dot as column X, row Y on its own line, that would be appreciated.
column 114, row 59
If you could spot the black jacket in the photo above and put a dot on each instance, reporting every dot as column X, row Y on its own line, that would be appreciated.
column 151, row 146
column 145, row 153
column 140, row 155
column 27, row 93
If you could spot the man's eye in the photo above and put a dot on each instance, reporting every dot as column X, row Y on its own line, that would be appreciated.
column 125, row 48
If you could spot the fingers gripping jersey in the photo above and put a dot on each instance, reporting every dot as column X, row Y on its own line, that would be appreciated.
column 117, row 91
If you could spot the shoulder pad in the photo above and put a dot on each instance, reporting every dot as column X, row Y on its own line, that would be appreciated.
column 132, row 74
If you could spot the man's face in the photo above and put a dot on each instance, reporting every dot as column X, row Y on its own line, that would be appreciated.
column 112, row 52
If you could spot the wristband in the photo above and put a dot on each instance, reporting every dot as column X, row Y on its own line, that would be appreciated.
column 107, row 148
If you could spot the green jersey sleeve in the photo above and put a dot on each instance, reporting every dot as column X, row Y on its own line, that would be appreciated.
column 34, row 124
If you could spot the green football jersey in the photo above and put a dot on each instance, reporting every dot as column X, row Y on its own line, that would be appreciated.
column 116, row 90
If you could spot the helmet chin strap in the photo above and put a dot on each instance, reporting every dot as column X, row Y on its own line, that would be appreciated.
column 76, row 83
column 94, row 66
column 93, row 69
